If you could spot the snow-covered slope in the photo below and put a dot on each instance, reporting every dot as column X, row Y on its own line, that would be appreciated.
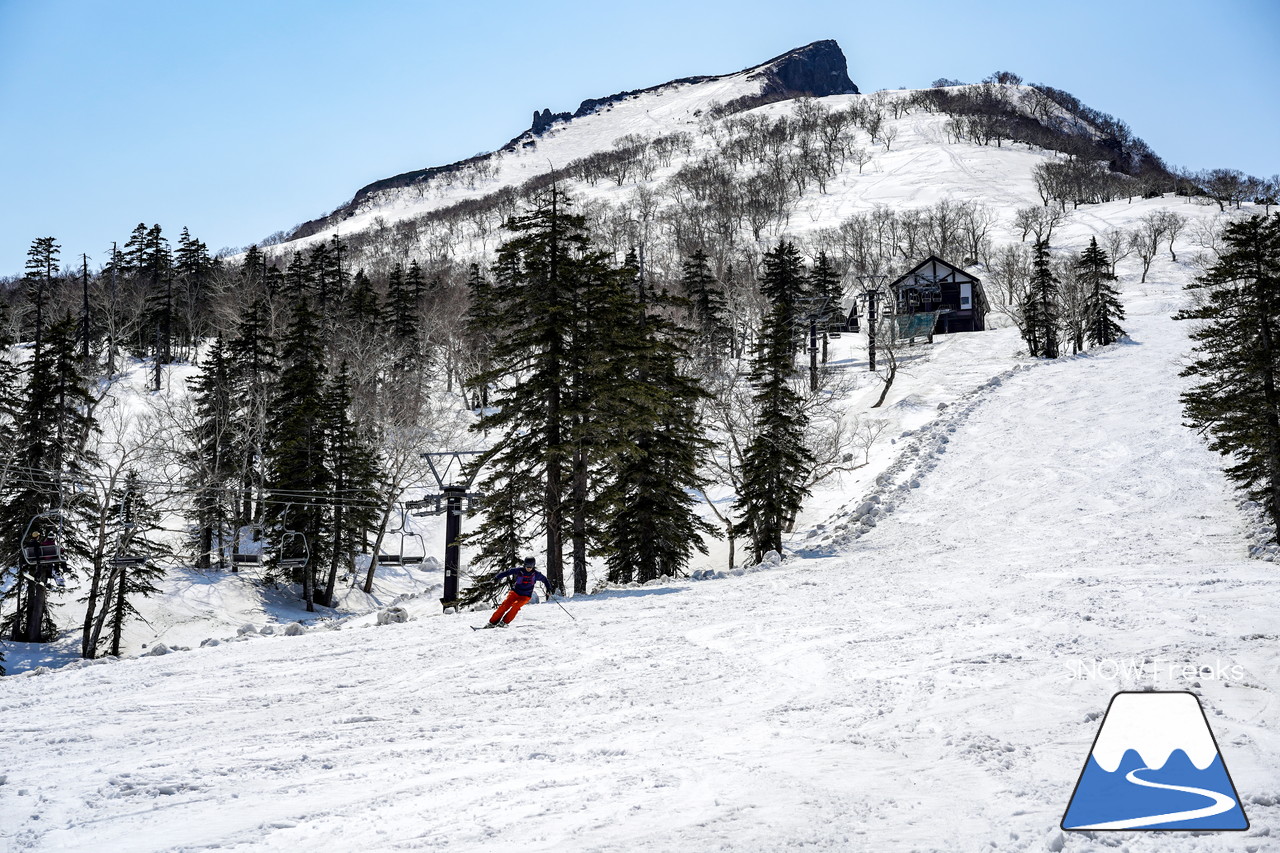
column 934, row 686
column 557, row 140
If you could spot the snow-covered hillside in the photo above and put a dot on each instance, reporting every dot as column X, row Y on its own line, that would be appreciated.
column 935, row 685
column 925, row 671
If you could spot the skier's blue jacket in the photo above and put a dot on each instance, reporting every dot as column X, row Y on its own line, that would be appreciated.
column 525, row 579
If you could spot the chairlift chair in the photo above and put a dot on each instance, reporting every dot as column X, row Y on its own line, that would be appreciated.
column 403, row 557
column 412, row 559
column 253, row 559
column 122, row 556
column 46, row 550
column 294, row 551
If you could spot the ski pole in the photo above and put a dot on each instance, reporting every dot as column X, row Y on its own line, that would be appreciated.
column 561, row 606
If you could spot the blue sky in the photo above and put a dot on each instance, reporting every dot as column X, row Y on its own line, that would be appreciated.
column 238, row 119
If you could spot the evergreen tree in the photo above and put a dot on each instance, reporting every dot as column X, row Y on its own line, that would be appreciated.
column 1237, row 357
column 42, row 266
column 776, row 461
column 254, row 366
column 155, row 274
column 538, row 281
column 211, row 459
column 1040, row 308
column 194, row 270
column 353, row 473
column 1102, row 308
column 706, row 305
column 363, row 306
column 501, row 539
column 401, row 311
column 297, row 283
column 825, row 291
column 295, row 447
column 253, row 268
column 416, row 284
column 483, row 322
column 53, row 425
column 650, row 529
column 785, row 284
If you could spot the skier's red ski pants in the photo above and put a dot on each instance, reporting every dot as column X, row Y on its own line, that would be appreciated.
column 509, row 608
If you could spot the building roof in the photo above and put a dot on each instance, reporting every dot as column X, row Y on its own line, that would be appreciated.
column 956, row 274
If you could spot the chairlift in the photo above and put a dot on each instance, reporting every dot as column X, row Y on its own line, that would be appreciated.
column 41, row 548
column 127, row 557
column 254, row 559
column 294, row 552
column 39, row 545
column 404, row 557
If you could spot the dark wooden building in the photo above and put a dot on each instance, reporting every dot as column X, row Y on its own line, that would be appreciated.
column 935, row 285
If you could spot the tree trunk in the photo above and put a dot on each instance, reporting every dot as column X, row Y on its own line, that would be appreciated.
column 117, row 622
column 580, row 522
column 89, row 649
column 377, row 545
column 888, row 383
column 331, row 583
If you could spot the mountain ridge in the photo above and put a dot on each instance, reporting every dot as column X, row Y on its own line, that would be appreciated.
column 817, row 69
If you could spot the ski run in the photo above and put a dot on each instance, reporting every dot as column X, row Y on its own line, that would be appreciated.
column 933, row 684
column 925, row 671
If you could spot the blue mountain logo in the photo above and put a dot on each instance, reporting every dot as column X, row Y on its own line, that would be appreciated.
column 1155, row 766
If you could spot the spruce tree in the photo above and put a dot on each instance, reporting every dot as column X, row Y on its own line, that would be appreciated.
column 54, row 423
column 297, row 282
column 193, row 270
column 538, row 281
column 254, row 366
column 650, row 528
column 155, row 275
column 483, row 323
column 1237, row 357
column 825, row 291
column 776, row 462
column 42, row 266
column 1040, row 307
column 401, row 316
column 295, row 446
column 416, row 284
column 211, row 460
column 353, row 474
column 363, row 307
column 1102, row 307
column 707, row 308
column 509, row 514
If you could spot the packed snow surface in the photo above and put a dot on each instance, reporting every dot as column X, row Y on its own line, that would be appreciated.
column 935, row 684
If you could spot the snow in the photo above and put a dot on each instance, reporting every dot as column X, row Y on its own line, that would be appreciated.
column 925, row 671
column 930, row 685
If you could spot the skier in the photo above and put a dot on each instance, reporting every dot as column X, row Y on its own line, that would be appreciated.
column 526, row 577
